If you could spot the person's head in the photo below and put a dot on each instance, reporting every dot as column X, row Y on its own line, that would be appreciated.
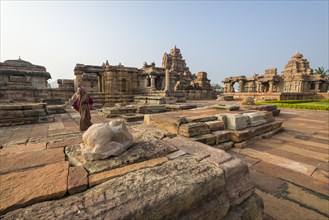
column 81, row 90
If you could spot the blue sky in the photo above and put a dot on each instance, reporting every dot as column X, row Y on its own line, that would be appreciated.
column 223, row 38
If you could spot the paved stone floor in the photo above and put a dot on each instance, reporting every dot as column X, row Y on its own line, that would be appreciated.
column 291, row 169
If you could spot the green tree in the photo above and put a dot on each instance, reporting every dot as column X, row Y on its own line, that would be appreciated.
column 217, row 86
column 320, row 71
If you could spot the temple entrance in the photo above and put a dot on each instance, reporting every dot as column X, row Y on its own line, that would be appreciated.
column 158, row 83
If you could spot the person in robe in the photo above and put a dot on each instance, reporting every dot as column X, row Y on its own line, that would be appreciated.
column 83, row 103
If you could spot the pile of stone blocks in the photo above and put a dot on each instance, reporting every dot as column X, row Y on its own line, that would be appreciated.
column 222, row 130
column 269, row 108
column 208, row 183
column 18, row 114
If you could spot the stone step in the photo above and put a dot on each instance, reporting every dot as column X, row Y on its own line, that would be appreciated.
column 274, row 207
column 278, row 161
column 291, row 176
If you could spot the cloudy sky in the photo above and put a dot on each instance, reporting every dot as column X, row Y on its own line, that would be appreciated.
column 223, row 38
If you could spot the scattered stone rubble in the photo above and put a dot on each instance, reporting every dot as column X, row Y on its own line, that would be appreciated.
column 222, row 130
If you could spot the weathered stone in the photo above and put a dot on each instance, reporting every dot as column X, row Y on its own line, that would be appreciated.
column 251, row 209
column 132, row 117
column 199, row 149
column 199, row 193
column 29, row 159
column 150, row 133
column 151, row 109
column 227, row 107
column 255, row 118
column 239, row 184
column 104, row 140
column 241, row 145
column 215, row 125
column 275, row 112
column 209, row 139
column 138, row 152
column 222, row 136
column 224, row 146
column 176, row 154
column 64, row 142
column 193, row 129
column 77, row 180
column 165, row 121
column 248, row 101
column 201, row 118
column 236, row 121
column 268, row 116
column 23, row 148
column 31, row 186
column 98, row 178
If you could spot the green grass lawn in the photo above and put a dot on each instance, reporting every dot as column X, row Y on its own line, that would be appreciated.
column 320, row 104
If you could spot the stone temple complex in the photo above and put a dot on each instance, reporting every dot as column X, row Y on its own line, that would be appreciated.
column 296, row 81
column 111, row 84
column 22, row 81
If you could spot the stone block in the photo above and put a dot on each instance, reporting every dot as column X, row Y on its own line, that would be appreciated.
column 64, row 142
column 23, row 148
column 138, row 152
column 30, row 159
column 255, row 118
column 241, row 145
column 193, row 129
column 165, row 121
column 251, row 209
column 176, row 154
column 222, row 136
column 239, row 184
column 236, row 121
column 77, row 180
column 209, row 139
column 268, row 116
column 215, row 125
column 224, row 146
column 31, row 186
column 200, row 118
column 98, row 178
column 275, row 112
column 199, row 149
column 199, row 192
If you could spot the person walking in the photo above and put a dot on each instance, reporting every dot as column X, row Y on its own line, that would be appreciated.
column 83, row 103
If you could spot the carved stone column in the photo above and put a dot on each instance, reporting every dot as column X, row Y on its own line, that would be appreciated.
column 270, row 87
column 153, row 82
column 167, row 86
column 317, row 87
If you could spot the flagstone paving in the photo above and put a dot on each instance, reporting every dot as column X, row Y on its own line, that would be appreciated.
column 291, row 169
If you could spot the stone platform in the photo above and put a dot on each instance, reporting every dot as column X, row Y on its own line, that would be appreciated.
column 165, row 176
column 289, row 170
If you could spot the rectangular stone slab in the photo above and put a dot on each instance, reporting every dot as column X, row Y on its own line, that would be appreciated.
column 31, row 186
column 165, row 121
column 199, row 192
column 193, row 129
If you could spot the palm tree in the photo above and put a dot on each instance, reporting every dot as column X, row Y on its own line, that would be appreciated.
column 320, row 71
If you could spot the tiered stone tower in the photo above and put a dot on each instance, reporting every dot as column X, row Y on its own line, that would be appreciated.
column 297, row 65
column 175, row 63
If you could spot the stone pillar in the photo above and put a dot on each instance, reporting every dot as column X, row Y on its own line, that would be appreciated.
column 317, row 87
column 271, row 87
column 241, row 85
column 153, row 82
column 167, row 86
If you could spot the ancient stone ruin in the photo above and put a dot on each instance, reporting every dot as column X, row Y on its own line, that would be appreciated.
column 110, row 84
column 22, row 81
column 296, row 81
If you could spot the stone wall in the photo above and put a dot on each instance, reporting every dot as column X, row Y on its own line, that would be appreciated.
column 35, row 95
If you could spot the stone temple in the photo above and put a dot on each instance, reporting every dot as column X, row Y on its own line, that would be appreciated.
column 296, row 81
column 110, row 84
